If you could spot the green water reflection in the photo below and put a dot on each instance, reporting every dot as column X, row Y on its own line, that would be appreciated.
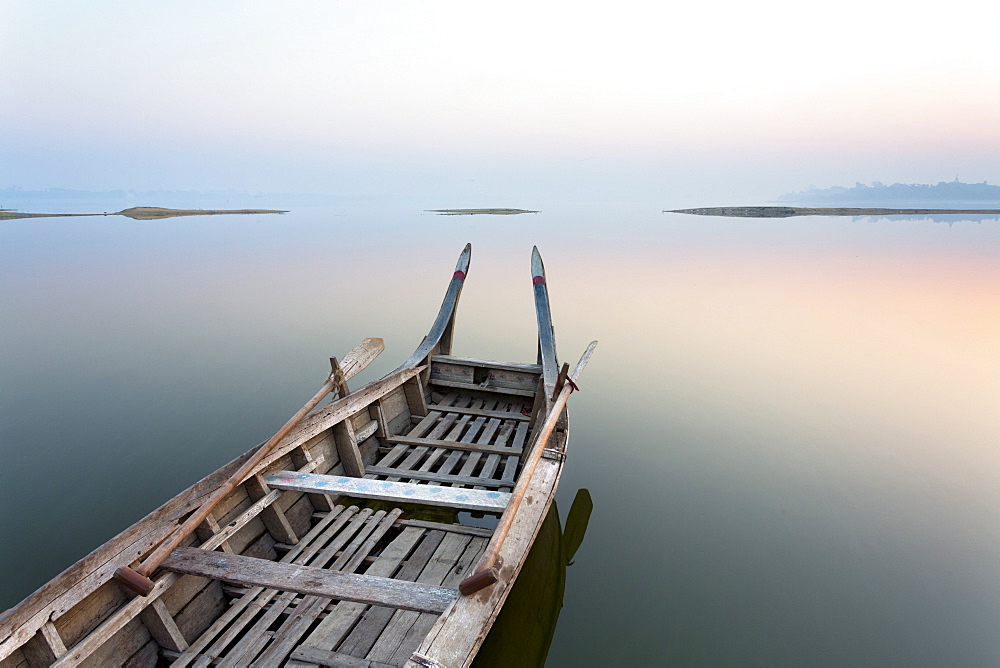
column 522, row 633
column 791, row 422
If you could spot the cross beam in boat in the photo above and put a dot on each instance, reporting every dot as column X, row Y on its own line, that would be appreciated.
column 495, row 389
column 435, row 495
column 309, row 580
column 503, row 415
column 454, row 445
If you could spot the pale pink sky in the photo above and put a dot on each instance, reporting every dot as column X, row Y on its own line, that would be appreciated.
column 764, row 97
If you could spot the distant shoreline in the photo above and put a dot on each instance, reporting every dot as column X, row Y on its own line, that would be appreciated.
column 790, row 211
column 476, row 212
column 139, row 213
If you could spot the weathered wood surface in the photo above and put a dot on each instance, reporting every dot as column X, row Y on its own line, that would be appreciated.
column 127, row 613
column 539, row 441
column 432, row 426
column 348, row 560
column 467, row 499
column 371, row 628
column 487, row 364
column 496, row 389
column 431, row 476
column 361, row 356
column 546, row 333
column 406, row 629
column 330, row 631
column 339, row 410
column 231, row 624
column 320, row 657
column 506, row 415
column 319, row 554
column 456, row 635
column 86, row 647
column 347, row 448
column 440, row 335
column 456, row 528
column 367, row 431
column 454, row 445
column 310, row 580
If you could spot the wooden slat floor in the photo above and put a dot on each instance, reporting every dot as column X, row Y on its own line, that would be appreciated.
column 445, row 466
column 271, row 627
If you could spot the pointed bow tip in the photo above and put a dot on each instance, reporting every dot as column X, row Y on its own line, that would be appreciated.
column 464, row 258
column 537, row 267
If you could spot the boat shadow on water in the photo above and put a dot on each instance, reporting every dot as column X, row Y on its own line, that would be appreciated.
column 522, row 633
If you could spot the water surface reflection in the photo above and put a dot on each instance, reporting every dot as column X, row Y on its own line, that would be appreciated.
column 523, row 631
column 791, row 423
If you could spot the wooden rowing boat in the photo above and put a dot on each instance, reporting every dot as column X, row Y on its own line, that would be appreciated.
column 383, row 528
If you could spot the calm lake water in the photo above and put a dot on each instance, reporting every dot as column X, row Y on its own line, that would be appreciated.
column 790, row 430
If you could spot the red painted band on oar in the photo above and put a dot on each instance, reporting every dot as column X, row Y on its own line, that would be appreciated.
column 538, row 280
column 460, row 275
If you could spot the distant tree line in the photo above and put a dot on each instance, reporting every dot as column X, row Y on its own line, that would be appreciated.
column 948, row 191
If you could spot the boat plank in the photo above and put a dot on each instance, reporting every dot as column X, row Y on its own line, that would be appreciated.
column 471, row 435
column 373, row 625
column 488, row 364
column 480, row 388
column 339, row 622
column 273, row 517
column 456, row 528
column 310, row 580
column 217, row 636
column 146, row 657
column 493, row 460
column 414, row 455
column 467, row 499
column 457, row 634
column 423, row 622
column 287, row 636
column 474, row 457
column 162, row 626
column 510, row 466
column 321, row 657
column 507, row 415
column 398, row 622
column 453, row 435
column 437, row 477
column 315, row 556
column 124, row 615
column 199, row 614
column 129, row 640
column 440, row 443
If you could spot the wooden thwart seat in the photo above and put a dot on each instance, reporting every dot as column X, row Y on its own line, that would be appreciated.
column 452, row 497
column 309, row 580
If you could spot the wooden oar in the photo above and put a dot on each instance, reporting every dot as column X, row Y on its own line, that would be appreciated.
column 487, row 572
column 137, row 579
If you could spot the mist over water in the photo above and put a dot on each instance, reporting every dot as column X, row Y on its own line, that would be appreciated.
column 788, row 429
